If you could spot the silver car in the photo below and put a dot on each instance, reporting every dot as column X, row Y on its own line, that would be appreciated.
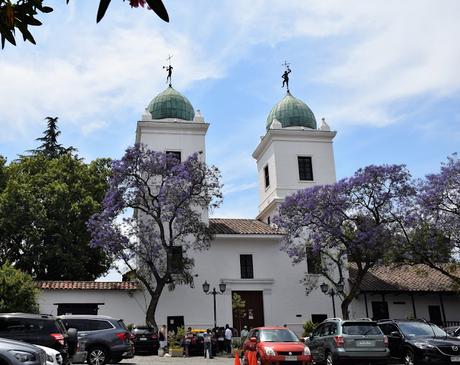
column 357, row 341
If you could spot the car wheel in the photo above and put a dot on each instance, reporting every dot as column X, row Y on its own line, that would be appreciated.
column 409, row 358
column 97, row 356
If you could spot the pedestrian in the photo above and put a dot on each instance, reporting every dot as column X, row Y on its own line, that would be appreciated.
column 220, row 339
column 162, row 337
column 187, row 341
column 207, row 338
column 244, row 333
column 228, row 339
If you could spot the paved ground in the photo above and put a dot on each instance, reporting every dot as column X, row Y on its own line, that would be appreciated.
column 153, row 360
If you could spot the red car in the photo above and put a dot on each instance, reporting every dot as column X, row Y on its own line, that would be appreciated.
column 275, row 346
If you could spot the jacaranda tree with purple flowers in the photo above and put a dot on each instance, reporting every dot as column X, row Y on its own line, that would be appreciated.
column 431, row 230
column 152, row 217
column 350, row 222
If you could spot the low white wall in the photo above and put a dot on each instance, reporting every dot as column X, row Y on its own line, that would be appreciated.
column 403, row 307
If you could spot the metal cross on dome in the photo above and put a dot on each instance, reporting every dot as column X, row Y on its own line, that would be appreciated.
column 285, row 75
column 169, row 70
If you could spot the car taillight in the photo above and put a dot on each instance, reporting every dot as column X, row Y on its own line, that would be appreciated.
column 58, row 338
column 385, row 341
column 338, row 341
column 123, row 336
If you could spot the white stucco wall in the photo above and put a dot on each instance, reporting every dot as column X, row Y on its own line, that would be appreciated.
column 401, row 311
column 279, row 148
column 127, row 305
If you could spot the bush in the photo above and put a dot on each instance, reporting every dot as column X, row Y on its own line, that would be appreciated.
column 308, row 328
column 18, row 292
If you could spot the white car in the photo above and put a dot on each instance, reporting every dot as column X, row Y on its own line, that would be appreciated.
column 53, row 357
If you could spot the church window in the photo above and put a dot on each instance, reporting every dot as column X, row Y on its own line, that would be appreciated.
column 268, row 220
column 175, row 154
column 313, row 261
column 305, row 168
column 266, row 176
column 175, row 260
column 247, row 270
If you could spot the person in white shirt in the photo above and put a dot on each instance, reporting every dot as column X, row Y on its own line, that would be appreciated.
column 244, row 333
column 228, row 339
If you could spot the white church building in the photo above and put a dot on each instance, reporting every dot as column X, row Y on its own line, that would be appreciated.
column 295, row 153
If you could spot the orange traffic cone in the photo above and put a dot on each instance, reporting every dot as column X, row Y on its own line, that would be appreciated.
column 237, row 359
column 253, row 359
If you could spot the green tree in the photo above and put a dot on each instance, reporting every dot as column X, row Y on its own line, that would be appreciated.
column 50, row 146
column 238, row 306
column 18, row 292
column 44, row 207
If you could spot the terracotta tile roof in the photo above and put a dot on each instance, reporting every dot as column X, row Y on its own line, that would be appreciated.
column 241, row 226
column 87, row 285
column 417, row 278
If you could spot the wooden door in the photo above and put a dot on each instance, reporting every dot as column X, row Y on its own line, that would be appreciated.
column 253, row 314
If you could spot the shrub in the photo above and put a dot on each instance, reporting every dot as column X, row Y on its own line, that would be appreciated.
column 308, row 328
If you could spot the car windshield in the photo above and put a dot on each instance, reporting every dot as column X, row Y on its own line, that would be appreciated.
column 357, row 328
column 278, row 335
column 420, row 329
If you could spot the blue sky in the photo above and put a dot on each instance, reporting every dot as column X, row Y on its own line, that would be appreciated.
column 384, row 74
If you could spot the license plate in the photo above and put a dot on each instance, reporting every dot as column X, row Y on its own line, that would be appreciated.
column 143, row 339
column 290, row 358
column 365, row 343
column 455, row 359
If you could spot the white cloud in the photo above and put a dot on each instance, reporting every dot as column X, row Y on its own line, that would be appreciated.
column 386, row 52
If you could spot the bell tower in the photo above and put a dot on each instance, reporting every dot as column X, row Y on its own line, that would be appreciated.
column 293, row 154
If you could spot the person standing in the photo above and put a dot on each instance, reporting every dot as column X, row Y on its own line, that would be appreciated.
column 207, row 338
column 244, row 333
column 228, row 339
column 162, row 337
column 187, row 341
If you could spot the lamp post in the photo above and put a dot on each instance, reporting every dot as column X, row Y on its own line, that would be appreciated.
column 214, row 292
column 325, row 289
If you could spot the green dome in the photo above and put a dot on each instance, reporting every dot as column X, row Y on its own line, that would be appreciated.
column 292, row 112
column 171, row 104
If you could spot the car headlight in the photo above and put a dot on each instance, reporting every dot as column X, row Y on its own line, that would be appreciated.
column 423, row 345
column 49, row 358
column 23, row 356
column 306, row 351
column 59, row 359
column 269, row 351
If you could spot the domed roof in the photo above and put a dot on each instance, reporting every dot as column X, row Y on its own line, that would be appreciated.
column 292, row 112
column 171, row 104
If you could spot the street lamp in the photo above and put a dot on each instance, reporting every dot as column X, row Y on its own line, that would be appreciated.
column 214, row 292
column 325, row 289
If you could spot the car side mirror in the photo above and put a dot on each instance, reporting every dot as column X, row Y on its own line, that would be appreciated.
column 395, row 334
column 253, row 339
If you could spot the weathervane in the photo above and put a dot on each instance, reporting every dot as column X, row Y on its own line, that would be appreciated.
column 168, row 70
column 285, row 76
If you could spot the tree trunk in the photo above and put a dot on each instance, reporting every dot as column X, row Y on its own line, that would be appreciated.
column 155, row 297
column 345, row 304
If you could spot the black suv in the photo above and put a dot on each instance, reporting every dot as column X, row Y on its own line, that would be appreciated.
column 107, row 340
column 417, row 342
column 39, row 329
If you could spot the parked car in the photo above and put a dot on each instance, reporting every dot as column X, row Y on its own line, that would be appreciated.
column 39, row 329
column 145, row 340
column 107, row 339
column 53, row 357
column 415, row 342
column 196, row 347
column 335, row 341
column 13, row 352
column 453, row 331
column 273, row 345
